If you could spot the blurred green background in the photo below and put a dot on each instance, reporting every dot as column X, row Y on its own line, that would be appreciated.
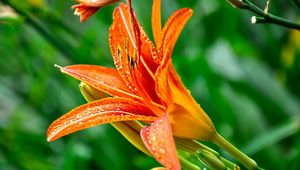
column 245, row 76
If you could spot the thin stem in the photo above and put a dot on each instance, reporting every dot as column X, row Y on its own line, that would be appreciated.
column 244, row 159
column 267, row 17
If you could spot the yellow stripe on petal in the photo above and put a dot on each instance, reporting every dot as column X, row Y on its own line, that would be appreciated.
column 156, row 20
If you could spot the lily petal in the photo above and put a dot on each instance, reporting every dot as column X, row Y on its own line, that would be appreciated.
column 123, row 44
column 101, row 78
column 158, row 138
column 99, row 112
column 156, row 20
column 84, row 11
column 96, row 3
column 162, row 86
column 187, row 118
column 129, row 129
column 149, row 63
column 87, row 8
column 168, row 38
column 134, row 54
column 171, row 32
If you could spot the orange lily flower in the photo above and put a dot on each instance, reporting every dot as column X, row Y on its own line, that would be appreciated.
column 87, row 8
column 144, row 86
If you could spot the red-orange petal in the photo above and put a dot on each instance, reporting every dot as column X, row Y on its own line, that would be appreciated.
column 84, row 11
column 134, row 54
column 102, row 78
column 169, row 36
column 123, row 44
column 158, row 138
column 96, row 113
column 162, row 86
column 171, row 32
column 96, row 3
column 86, row 8
column 145, row 73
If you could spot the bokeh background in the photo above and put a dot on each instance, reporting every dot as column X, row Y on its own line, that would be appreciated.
column 245, row 76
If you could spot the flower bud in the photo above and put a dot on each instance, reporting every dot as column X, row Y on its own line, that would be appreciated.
column 210, row 160
column 91, row 94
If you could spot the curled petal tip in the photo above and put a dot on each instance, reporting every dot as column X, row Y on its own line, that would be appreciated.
column 50, row 135
column 48, row 139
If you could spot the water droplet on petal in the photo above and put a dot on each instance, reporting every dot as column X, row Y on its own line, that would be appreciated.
column 162, row 150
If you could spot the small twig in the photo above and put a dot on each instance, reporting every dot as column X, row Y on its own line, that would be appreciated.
column 263, row 15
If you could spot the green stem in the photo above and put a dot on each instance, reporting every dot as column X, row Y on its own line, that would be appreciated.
column 266, row 17
column 269, row 18
column 244, row 159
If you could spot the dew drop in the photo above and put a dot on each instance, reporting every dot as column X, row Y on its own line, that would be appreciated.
column 162, row 150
